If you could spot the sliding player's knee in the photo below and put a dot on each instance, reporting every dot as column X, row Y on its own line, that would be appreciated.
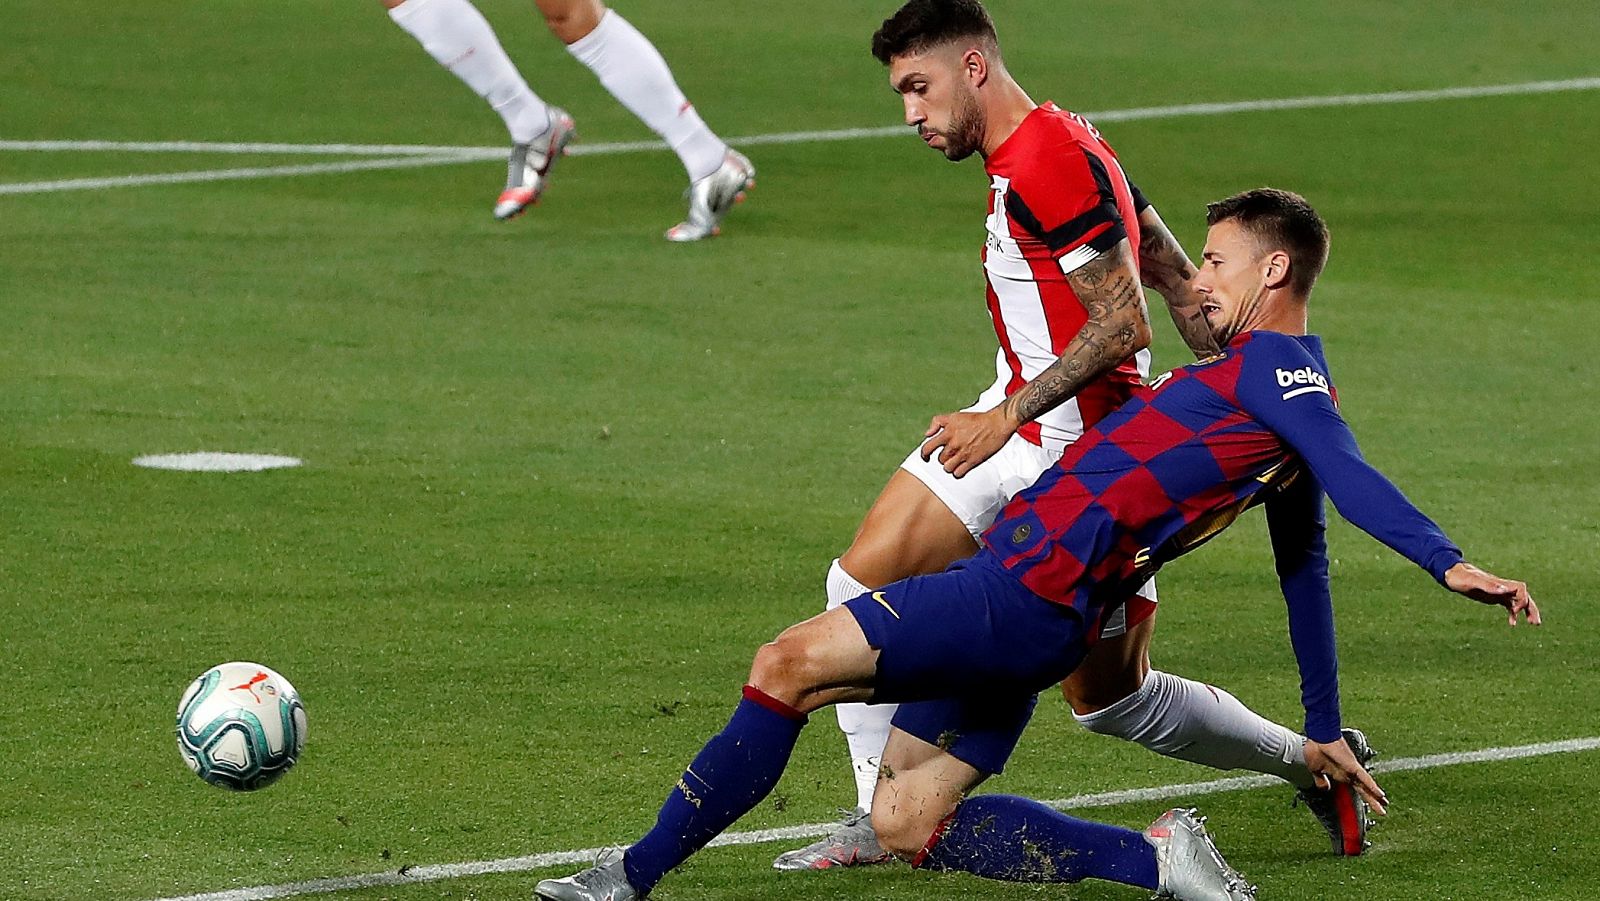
column 904, row 829
column 787, row 669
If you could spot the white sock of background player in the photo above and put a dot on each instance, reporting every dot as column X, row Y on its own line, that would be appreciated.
column 457, row 35
column 865, row 726
column 1192, row 721
column 631, row 68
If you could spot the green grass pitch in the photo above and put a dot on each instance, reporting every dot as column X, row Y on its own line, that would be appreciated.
column 563, row 477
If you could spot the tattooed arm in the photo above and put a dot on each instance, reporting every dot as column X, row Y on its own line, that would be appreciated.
column 1166, row 268
column 1118, row 326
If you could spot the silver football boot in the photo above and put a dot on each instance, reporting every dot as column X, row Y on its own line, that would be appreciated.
column 711, row 198
column 1341, row 810
column 853, row 844
column 528, row 169
column 1190, row 866
column 605, row 881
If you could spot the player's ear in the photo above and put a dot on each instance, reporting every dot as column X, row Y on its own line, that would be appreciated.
column 1275, row 269
column 975, row 66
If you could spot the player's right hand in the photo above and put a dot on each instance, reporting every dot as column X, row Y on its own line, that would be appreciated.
column 1488, row 588
column 965, row 440
column 1335, row 762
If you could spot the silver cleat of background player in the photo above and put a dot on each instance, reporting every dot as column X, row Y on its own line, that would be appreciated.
column 529, row 164
column 1190, row 866
column 712, row 197
column 605, row 881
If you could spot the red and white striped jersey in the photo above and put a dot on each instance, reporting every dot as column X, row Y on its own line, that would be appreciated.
column 1058, row 197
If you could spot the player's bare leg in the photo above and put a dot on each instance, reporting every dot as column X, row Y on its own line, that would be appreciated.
column 631, row 68
column 908, row 531
column 458, row 37
column 1116, row 692
column 916, row 816
column 919, row 785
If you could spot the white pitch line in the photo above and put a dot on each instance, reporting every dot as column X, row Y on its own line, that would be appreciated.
column 437, row 872
column 797, row 137
column 239, row 147
column 411, row 155
column 204, row 175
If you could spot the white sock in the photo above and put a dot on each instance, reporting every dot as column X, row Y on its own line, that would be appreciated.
column 865, row 726
column 631, row 68
column 457, row 35
column 1199, row 723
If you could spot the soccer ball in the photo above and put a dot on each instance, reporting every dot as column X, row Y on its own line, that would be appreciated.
column 241, row 726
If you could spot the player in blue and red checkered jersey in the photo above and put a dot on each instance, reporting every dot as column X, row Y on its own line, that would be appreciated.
column 965, row 651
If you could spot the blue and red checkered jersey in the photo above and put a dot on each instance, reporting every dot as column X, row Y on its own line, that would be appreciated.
column 1180, row 461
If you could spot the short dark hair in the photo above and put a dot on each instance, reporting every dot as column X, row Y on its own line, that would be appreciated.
column 1280, row 220
column 922, row 24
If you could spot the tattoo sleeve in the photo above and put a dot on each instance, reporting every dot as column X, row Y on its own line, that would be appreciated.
column 1167, row 269
column 1118, row 327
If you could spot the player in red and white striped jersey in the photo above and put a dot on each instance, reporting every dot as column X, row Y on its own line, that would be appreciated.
column 1058, row 200
column 1069, row 240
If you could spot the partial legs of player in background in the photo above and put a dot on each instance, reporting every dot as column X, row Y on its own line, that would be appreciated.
column 456, row 35
column 627, row 64
column 910, row 531
column 631, row 68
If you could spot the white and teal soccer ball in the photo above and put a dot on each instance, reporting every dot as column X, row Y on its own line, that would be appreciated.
column 241, row 726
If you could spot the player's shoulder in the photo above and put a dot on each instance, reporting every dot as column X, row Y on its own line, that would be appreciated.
column 1292, row 365
column 1051, row 146
column 1276, row 346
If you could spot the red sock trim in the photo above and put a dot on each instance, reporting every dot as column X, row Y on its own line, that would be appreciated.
column 752, row 693
column 938, row 833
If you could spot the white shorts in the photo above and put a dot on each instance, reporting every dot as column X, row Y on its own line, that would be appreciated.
column 978, row 497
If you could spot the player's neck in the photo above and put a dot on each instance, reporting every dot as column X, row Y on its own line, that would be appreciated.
column 1005, row 109
column 1282, row 312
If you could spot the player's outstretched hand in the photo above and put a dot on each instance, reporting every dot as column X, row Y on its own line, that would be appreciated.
column 1488, row 588
column 967, row 439
column 1335, row 762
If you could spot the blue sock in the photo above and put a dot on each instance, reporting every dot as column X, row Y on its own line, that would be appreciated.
column 733, row 772
column 1021, row 840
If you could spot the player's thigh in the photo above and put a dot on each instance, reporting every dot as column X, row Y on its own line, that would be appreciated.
column 824, row 660
column 908, row 531
column 1114, row 668
column 926, row 518
column 972, row 629
column 571, row 20
column 391, row 4
column 919, row 784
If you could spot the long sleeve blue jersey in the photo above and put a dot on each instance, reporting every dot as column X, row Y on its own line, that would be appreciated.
column 1182, row 460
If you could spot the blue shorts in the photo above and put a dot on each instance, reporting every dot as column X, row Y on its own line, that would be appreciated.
column 965, row 652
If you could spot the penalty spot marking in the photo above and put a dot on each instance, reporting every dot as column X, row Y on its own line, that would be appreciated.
column 406, row 156
column 437, row 872
column 216, row 461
